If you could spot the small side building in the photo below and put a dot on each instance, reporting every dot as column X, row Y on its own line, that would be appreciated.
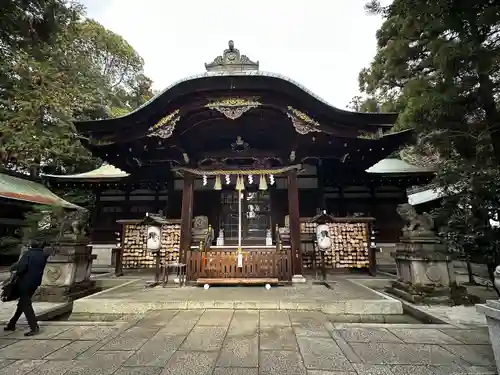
column 18, row 194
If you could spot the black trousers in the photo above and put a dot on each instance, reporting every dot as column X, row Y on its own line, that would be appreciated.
column 25, row 306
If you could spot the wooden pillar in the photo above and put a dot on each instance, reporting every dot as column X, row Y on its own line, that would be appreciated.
column 293, row 212
column 186, row 216
column 320, row 175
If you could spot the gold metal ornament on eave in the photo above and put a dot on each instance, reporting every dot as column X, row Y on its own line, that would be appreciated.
column 234, row 108
column 165, row 127
column 302, row 123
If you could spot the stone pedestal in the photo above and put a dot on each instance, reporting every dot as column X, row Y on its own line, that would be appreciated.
column 67, row 274
column 425, row 272
column 492, row 311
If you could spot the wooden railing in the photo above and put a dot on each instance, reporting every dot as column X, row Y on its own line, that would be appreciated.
column 224, row 264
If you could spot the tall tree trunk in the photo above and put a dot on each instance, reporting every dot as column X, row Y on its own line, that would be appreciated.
column 492, row 115
column 470, row 273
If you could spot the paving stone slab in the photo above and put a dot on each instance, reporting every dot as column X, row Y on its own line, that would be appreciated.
column 191, row 363
column 6, row 362
column 309, row 323
column 372, row 369
column 310, row 328
column 239, row 352
column 46, row 332
column 157, row 351
column 138, row 371
column 21, row 367
column 476, row 370
column 281, row 362
column 277, row 338
column 298, row 316
column 53, row 368
column 368, row 335
column 468, row 336
column 412, row 370
column 184, row 321
column 205, row 338
column 95, row 348
column 6, row 342
column 274, row 318
column 407, row 354
column 236, row 371
column 244, row 323
column 158, row 317
column 87, row 333
column 102, row 363
column 4, row 333
column 323, row 354
column 138, row 332
column 256, row 305
column 424, row 336
column 32, row 349
column 480, row 355
column 124, row 343
column 345, row 347
column 216, row 318
column 449, row 370
column 323, row 372
column 70, row 351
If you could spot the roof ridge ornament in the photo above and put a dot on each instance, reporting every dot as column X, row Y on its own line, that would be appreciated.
column 231, row 60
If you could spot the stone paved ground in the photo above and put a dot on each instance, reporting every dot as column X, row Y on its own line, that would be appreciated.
column 227, row 342
column 341, row 290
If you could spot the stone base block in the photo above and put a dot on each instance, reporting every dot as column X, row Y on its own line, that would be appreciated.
column 431, row 295
column 492, row 311
column 66, row 293
column 298, row 279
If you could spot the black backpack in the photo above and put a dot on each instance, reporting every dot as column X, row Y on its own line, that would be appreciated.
column 10, row 291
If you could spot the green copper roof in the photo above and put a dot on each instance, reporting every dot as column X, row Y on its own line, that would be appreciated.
column 21, row 189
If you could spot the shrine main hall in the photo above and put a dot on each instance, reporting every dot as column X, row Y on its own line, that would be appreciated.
column 241, row 165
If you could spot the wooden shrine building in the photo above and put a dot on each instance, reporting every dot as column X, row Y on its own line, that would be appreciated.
column 257, row 156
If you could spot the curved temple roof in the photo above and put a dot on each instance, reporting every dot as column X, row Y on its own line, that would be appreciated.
column 23, row 189
column 233, row 71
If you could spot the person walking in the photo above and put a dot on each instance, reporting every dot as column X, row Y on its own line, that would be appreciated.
column 29, row 271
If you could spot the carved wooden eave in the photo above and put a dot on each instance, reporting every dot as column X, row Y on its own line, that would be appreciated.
column 231, row 60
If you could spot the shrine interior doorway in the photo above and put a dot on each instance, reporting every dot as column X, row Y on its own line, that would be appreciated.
column 248, row 220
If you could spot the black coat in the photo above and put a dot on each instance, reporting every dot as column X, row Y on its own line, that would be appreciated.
column 30, row 269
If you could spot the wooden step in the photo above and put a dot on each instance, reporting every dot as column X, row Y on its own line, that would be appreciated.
column 237, row 281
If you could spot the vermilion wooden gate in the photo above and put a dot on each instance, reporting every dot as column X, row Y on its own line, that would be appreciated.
column 224, row 264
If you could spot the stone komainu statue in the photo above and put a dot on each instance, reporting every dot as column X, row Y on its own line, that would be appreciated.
column 74, row 224
column 416, row 224
column 201, row 228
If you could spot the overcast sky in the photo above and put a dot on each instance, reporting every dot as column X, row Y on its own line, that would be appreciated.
column 322, row 44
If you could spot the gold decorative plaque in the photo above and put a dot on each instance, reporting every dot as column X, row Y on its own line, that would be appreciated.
column 302, row 123
column 165, row 127
column 234, row 108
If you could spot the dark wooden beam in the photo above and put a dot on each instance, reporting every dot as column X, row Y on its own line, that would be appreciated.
column 320, row 175
column 186, row 216
column 293, row 212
